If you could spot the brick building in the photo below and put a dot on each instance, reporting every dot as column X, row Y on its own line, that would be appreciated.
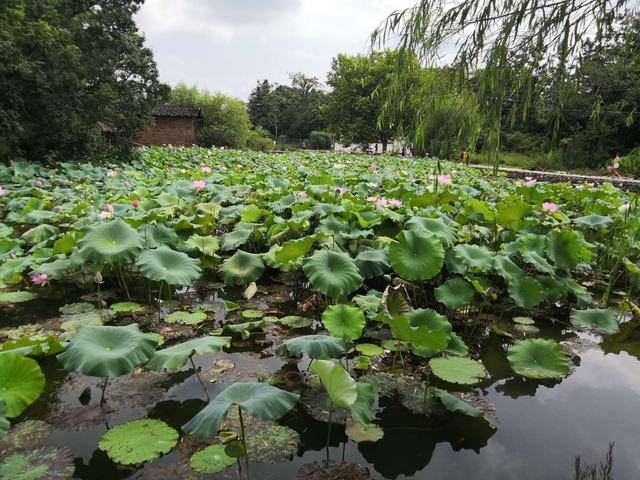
column 172, row 126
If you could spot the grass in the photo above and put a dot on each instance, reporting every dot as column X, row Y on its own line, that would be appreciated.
column 533, row 161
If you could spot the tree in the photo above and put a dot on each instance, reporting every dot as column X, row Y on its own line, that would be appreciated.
column 69, row 71
column 490, row 34
column 263, row 109
column 361, row 85
column 225, row 121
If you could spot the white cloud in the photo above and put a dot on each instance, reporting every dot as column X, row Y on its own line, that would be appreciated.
column 228, row 46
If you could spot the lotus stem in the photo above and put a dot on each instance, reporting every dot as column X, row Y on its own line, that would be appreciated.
column 124, row 283
column 100, row 302
column 244, row 440
column 329, row 430
column 104, row 389
column 199, row 379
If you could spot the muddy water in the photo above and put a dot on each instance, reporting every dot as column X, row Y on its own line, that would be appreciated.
column 541, row 426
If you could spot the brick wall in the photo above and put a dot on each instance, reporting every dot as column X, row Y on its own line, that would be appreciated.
column 178, row 131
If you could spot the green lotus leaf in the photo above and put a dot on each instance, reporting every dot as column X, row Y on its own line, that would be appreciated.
column 538, row 358
column 464, row 259
column 362, row 362
column 430, row 331
column 332, row 273
column 524, row 320
column 372, row 262
column 166, row 265
column 244, row 329
column 126, row 307
column 510, row 213
column 4, row 423
column 251, row 314
column 416, row 255
column 230, row 306
column 70, row 323
column 343, row 321
column 155, row 236
column 36, row 345
column 273, row 444
column 208, row 245
column 41, row 233
column 456, row 346
column 107, row 351
column 600, row 320
column 341, row 388
column 259, row 399
column 435, row 226
column 110, row 243
column 186, row 318
column 295, row 321
column 290, row 254
column 21, row 382
column 506, row 268
column 527, row 292
column 458, row 370
column 315, row 346
column 369, row 349
column 238, row 237
column 371, row 302
column 16, row 297
column 593, row 222
column 242, row 268
column 61, row 267
column 532, row 249
column 567, row 248
column 455, row 293
column 176, row 356
column 212, row 459
column 77, row 308
column 358, row 432
column 454, row 404
column 44, row 463
column 138, row 441
column 361, row 408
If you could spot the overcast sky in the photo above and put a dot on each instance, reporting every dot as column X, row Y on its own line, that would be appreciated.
column 227, row 45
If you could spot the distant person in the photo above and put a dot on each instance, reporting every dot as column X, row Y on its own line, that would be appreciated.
column 464, row 157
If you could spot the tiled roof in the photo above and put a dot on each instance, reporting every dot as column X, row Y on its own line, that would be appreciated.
column 169, row 111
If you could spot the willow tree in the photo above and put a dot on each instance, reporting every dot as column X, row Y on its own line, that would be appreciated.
column 503, row 44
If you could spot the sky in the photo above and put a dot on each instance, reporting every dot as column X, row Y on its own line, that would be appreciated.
column 228, row 45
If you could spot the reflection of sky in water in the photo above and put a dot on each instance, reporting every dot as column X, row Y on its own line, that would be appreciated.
column 538, row 437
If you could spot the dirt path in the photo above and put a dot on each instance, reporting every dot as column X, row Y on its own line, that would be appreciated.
column 620, row 182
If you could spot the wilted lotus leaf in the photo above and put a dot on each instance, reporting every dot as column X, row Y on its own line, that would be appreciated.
column 538, row 358
column 21, row 382
column 138, row 441
column 332, row 273
column 458, row 370
column 107, row 351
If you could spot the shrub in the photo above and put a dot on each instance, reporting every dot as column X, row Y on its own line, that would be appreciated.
column 319, row 141
column 259, row 140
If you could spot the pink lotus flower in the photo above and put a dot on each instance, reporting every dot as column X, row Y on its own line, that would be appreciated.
column 111, row 173
column 2, row 192
column 531, row 182
column 105, row 215
column 198, row 185
column 549, row 207
column 135, row 203
column 395, row 203
column 98, row 277
column 126, row 184
column 38, row 183
column 444, row 180
column 108, row 207
column 340, row 190
column 372, row 199
column 206, row 169
column 303, row 194
column 381, row 202
column 40, row 279
column 373, row 167
column 117, row 169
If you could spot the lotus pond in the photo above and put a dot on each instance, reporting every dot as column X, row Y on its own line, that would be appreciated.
column 218, row 314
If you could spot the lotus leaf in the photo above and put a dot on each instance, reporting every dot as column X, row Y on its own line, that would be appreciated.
column 464, row 259
column 36, row 345
column 125, row 307
column 138, row 441
column 315, row 346
column 107, row 351
column 600, row 320
column 186, row 318
column 363, row 433
column 4, row 423
column 435, row 226
column 242, row 268
column 273, row 444
column 340, row 387
column 455, row 293
column 295, row 321
column 458, row 370
column 111, row 243
column 251, row 313
column 567, row 248
column 77, row 308
column 538, row 358
column 259, row 399
column 206, row 245
column 45, row 463
column 16, row 297
column 332, row 273
column 416, row 255
column 454, row 404
column 166, row 265
column 369, row 349
column 21, row 382
column 212, row 459
column 593, row 222
column 372, row 262
column 343, row 321
column 176, row 356
column 527, row 292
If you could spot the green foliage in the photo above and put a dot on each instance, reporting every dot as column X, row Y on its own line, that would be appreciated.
column 320, row 141
column 416, row 255
column 22, row 383
column 112, row 243
column 455, row 293
column 332, row 273
column 212, row 459
column 4, row 423
column 107, row 351
column 315, row 346
column 261, row 400
column 138, row 441
column 343, row 321
column 458, row 370
column 166, row 265
column 186, row 318
column 242, row 268
column 454, row 404
column 176, row 356
column 600, row 320
column 538, row 358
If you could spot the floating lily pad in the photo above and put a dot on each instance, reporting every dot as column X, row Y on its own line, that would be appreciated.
column 126, row 307
column 295, row 321
column 538, row 358
column 212, row 459
column 186, row 318
column 527, row 329
column 458, row 370
column 70, row 323
column 600, row 320
column 369, row 349
column 76, row 308
column 524, row 320
column 251, row 314
column 274, row 444
column 27, row 435
column 363, row 433
column 36, row 345
column 138, row 441
column 46, row 463
column 16, row 297
column 21, row 382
